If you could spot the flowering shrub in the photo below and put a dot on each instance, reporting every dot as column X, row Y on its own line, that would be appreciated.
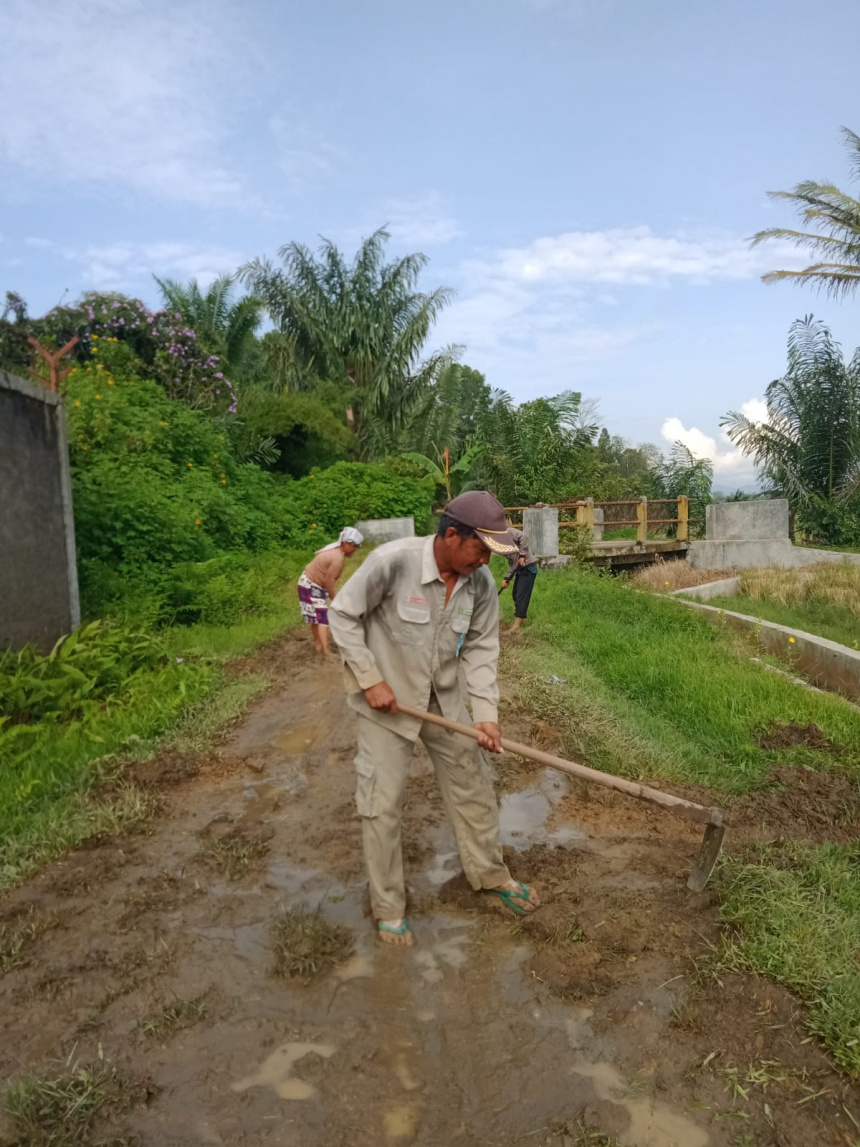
column 159, row 339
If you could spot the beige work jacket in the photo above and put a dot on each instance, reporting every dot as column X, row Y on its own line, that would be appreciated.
column 391, row 624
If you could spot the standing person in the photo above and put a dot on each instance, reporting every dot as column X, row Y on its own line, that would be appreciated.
column 522, row 567
column 417, row 613
column 319, row 580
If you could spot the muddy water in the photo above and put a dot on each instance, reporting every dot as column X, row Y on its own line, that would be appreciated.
column 463, row 1039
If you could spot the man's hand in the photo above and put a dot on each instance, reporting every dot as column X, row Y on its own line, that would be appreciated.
column 381, row 697
column 505, row 582
column 522, row 561
column 491, row 736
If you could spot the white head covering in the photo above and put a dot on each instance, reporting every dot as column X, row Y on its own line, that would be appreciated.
column 348, row 534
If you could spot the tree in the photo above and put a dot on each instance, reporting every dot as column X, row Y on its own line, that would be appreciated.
column 809, row 447
column 449, row 412
column 454, row 478
column 532, row 451
column 685, row 475
column 835, row 238
column 363, row 323
column 224, row 326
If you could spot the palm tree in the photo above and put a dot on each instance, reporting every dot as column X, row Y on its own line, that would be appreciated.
column 363, row 323
column 835, row 217
column 530, row 450
column 224, row 326
column 809, row 447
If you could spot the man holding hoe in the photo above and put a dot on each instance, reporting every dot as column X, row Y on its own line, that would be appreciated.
column 415, row 614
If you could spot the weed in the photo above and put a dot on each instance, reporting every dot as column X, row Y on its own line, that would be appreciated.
column 234, row 852
column 60, row 1110
column 797, row 915
column 18, row 935
column 179, row 1014
column 306, row 944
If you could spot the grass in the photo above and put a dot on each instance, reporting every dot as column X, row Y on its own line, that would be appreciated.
column 795, row 910
column 652, row 690
column 234, row 853
column 664, row 577
column 18, row 935
column 55, row 769
column 306, row 944
column 179, row 1014
column 823, row 599
column 61, row 1110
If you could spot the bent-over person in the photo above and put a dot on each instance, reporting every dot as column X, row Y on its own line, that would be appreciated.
column 419, row 616
column 317, row 584
column 523, row 568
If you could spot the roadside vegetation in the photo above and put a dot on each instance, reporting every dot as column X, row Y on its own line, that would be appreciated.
column 653, row 690
column 823, row 599
column 640, row 686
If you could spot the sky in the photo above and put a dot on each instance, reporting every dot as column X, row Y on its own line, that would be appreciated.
column 584, row 173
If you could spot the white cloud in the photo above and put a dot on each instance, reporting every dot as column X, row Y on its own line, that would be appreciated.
column 119, row 94
column 728, row 461
column 127, row 265
column 632, row 256
column 425, row 220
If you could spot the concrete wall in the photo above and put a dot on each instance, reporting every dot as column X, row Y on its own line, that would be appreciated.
column 541, row 528
column 386, row 529
column 752, row 555
column 761, row 521
column 725, row 587
column 748, row 535
column 38, row 572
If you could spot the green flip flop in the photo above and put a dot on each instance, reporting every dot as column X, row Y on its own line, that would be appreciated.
column 510, row 897
column 401, row 931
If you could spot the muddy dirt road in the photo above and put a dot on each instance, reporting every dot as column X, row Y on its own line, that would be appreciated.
column 487, row 1032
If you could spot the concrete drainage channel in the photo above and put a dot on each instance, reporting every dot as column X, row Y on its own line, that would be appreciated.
column 828, row 664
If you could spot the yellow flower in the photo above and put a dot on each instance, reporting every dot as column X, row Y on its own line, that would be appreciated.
column 98, row 396
column 314, row 526
column 196, row 521
column 214, row 455
column 222, row 475
column 190, row 465
column 791, row 640
column 85, row 448
column 94, row 337
column 110, row 382
column 164, row 424
column 222, row 438
column 223, row 481
column 665, row 583
column 77, row 403
column 95, row 350
column 719, row 611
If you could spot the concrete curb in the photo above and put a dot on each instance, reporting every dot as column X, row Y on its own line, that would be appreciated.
column 826, row 663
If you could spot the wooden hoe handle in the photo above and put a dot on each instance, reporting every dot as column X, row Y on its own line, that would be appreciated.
column 677, row 805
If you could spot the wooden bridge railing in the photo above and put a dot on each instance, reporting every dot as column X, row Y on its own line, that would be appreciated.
column 585, row 507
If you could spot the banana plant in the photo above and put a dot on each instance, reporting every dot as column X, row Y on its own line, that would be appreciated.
column 454, row 478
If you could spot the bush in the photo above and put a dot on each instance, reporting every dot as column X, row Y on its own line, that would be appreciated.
column 830, row 522
column 328, row 500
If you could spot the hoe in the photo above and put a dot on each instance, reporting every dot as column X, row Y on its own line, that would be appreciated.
column 714, row 819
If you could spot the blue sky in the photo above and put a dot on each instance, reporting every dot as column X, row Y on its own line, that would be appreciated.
column 583, row 172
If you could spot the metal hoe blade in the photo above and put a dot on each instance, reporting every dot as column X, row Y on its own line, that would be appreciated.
column 712, row 842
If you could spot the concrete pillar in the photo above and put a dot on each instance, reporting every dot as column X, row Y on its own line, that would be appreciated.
column 541, row 528
column 598, row 524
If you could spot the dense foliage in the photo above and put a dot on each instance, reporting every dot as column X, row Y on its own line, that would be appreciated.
column 809, row 446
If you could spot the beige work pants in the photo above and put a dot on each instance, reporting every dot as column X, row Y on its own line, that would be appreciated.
column 382, row 767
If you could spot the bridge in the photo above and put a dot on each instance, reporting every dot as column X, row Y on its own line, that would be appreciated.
column 617, row 534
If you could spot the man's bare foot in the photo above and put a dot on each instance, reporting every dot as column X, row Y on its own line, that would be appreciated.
column 520, row 898
column 396, row 932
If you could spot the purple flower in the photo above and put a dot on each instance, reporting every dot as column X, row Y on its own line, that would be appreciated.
column 218, row 391
column 219, row 374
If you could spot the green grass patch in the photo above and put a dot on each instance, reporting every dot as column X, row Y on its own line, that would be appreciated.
column 654, row 690
column 306, row 944
column 62, row 1109
column 109, row 693
column 835, row 622
column 796, row 909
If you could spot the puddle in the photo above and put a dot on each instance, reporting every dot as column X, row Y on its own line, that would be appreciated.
column 523, row 815
column 652, row 1124
column 251, row 941
column 400, row 1123
column 300, row 739
column 277, row 1071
